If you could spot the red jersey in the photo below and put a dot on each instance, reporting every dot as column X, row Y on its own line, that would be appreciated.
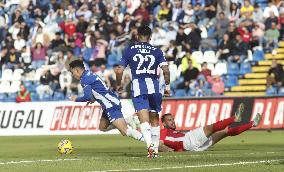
column 172, row 139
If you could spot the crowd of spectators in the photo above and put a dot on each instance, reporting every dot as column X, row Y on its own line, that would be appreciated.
column 49, row 34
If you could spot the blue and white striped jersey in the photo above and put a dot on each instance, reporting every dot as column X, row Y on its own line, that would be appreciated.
column 144, row 61
column 96, row 89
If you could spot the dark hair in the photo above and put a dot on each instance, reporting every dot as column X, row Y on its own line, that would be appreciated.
column 77, row 63
column 144, row 30
column 204, row 63
column 115, row 65
column 164, row 116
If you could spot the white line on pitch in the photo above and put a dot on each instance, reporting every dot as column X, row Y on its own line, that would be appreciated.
column 193, row 155
column 194, row 166
column 34, row 161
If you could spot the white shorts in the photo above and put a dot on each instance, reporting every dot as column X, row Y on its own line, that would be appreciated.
column 196, row 140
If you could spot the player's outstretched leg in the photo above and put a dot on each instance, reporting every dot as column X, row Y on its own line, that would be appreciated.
column 221, row 125
column 125, row 130
column 216, row 137
column 238, row 130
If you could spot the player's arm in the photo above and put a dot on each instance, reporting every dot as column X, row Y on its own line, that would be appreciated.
column 164, row 148
column 119, row 72
column 166, row 72
column 86, row 97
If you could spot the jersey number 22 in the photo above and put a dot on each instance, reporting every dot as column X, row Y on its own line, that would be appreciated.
column 141, row 59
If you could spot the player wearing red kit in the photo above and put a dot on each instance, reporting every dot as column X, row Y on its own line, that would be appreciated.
column 201, row 138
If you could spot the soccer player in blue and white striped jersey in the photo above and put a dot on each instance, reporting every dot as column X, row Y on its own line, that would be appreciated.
column 96, row 90
column 144, row 61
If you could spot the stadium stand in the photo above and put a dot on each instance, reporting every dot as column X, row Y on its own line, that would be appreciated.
column 39, row 40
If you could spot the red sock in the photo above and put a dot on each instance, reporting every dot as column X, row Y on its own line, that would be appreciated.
column 221, row 125
column 238, row 130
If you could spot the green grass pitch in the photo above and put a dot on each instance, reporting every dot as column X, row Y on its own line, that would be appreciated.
column 247, row 152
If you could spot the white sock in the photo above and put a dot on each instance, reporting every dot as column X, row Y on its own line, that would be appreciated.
column 155, row 137
column 134, row 134
column 146, row 132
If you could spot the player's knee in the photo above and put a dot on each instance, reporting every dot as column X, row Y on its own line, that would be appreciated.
column 102, row 128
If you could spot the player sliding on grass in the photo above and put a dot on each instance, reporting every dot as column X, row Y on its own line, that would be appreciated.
column 202, row 138
column 144, row 61
column 96, row 90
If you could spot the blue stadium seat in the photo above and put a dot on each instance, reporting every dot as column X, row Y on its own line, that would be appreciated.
column 258, row 55
column 281, row 91
column 34, row 97
column 180, row 93
column 233, row 69
column 58, row 96
column 245, row 68
column 28, row 83
column 46, row 97
column 271, row 91
column 2, row 97
column 11, row 97
column 111, row 60
column 30, row 86
column 231, row 81
column 191, row 93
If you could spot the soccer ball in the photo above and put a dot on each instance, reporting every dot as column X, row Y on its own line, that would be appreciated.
column 65, row 147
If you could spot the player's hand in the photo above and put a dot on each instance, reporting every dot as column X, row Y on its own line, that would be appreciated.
column 73, row 98
column 119, row 89
column 167, row 93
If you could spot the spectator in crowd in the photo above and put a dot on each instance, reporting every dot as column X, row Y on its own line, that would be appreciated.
column 44, row 87
column 258, row 34
column 239, row 50
column 270, row 8
column 171, row 51
column 65, row 80
column 38, row 55
column 57, row 43
column 205, row 72
column 193, row 36
column 224, row 48
column 189, row 75
column 3, row 54
column 25, row 58
column 281, row 23
column 221, row 25
column 126, row 88
column 69, row 58
column 234, row 12
column 19, row 43
column 257, row 14
column 12, row 59
column 271, row 36
column 247, row 9
column 218, row 86
column 271, row 19
column 275, row 75
column 232, row 31
column 23, row 95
